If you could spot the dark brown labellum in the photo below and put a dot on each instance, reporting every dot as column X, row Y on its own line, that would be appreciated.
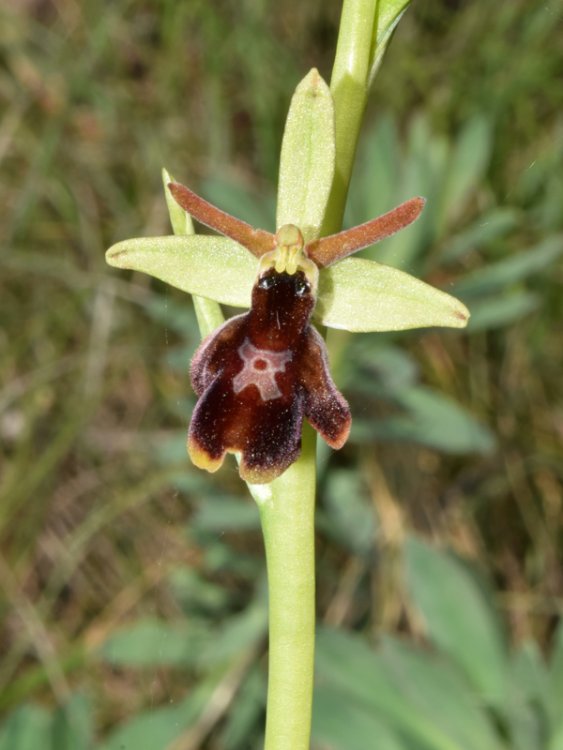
column 258, row 376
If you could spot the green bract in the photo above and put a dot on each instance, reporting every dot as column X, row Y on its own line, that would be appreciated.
column 389, row 16
column 208, row 312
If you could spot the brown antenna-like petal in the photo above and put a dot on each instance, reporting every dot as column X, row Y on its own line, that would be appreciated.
column 328, row 250
column 258, row 241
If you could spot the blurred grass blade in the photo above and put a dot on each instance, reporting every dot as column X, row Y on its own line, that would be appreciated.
column 341, row 723
column 214, row 267
column 487, row 228
column 528, row 705
column 307, row 157
column 442, row 424
column 556, row 681
column 248, row 709
column 458, row 618
column 557, row 739
column 361, row 295
column 496, row 312
column 466, row 167
column 422, row 173
column 349, row 666
column 239, row 634
column 26, row 728
column 353, row 522
column 72, row 727
column 219, row 515
column 435, row 687
column 429, row 419
column 378, row 165
column 158, row 728
column 497, row 276
column 153, row 643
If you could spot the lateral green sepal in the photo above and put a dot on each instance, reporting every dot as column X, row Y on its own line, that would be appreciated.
column 212, row 267
column 354, row 294
column 362, row 295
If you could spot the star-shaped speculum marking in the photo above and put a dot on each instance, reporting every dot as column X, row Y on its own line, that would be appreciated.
column 260, row 368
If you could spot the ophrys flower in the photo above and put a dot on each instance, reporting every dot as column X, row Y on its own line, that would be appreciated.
column 261, row 373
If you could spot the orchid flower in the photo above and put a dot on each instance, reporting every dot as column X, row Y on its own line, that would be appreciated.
column 262, row 372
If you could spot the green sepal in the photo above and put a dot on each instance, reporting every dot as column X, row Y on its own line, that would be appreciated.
column 307, row 157
column 362, row 295
column 355, row 294
column 214, row 267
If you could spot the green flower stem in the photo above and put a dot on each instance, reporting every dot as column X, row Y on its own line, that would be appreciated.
column 288, row 513
column 287, row 508
column 349, row 86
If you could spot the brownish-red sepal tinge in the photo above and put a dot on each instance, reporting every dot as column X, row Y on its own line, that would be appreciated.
column 258, row 241
column 323, row 251
column 258, row 376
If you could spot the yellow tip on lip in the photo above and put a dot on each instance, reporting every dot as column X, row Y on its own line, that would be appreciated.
column 201, row 458
column 255, row 476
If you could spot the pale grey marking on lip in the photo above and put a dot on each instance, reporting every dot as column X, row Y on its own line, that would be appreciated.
column 264, row 379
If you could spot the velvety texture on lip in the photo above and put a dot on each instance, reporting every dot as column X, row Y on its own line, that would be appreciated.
column 258, row 376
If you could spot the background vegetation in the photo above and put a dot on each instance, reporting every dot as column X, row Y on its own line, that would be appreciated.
column 132, row 604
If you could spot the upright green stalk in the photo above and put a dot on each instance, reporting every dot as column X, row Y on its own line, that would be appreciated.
column 349, row 88
column 288, row 521
column 287, row 505
column 288, row 525
column 365, row 29
column 288, row 514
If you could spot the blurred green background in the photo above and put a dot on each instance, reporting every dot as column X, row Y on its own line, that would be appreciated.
column 132, row 586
